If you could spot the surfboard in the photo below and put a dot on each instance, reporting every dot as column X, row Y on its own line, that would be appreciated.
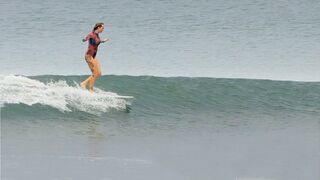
column 124, row 97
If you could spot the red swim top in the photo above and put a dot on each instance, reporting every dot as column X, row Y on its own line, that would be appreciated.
column 94, row 41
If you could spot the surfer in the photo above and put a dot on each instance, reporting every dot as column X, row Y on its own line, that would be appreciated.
column 90, row 56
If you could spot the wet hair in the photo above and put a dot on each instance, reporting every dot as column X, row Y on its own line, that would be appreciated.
column 97, row 25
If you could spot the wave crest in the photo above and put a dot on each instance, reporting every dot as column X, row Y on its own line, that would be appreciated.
column 57, row 94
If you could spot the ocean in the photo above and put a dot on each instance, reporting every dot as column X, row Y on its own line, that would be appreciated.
column 191, row 90
column 276, row 40
column 173, row 128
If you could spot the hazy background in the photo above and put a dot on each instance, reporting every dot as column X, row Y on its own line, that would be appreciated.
column 239, row 39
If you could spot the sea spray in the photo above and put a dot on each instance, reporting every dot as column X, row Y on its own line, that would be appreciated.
column 57, row 94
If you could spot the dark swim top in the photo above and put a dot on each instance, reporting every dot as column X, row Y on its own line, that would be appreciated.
column 94, row 41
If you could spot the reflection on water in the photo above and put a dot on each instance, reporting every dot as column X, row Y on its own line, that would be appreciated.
column 132, row 146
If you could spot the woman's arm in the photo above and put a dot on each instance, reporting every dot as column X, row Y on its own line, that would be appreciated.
column 87, row 38
column 103, row 41
column 91, row 40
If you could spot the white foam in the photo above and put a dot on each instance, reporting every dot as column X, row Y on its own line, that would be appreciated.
column 19, row 89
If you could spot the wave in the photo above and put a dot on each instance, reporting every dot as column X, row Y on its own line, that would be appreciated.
column 163, row 96
column 57, row 94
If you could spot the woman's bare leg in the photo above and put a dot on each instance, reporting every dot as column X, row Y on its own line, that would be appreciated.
column 84, row 84
column 89, row 60
column 95, row 74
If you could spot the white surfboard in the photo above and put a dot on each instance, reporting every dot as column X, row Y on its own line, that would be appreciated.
column 124, row 97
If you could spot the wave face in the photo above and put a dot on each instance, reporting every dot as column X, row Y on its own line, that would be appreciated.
column 162, row 97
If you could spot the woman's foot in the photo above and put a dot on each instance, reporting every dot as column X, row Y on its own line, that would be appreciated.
column 83, row 85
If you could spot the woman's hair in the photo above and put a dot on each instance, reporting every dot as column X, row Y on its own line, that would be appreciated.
column 97, row 25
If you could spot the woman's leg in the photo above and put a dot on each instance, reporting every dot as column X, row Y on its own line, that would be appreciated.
column 89, row 60
column 95, row 73
column 84, row 84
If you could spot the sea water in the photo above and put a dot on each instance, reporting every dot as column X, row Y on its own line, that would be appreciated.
column 202, row 107
column 247, row 39
column 173, row 128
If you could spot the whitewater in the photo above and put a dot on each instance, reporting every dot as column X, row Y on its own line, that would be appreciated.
column 59, row 95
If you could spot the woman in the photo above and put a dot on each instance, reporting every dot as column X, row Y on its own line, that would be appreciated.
column 93, row 63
